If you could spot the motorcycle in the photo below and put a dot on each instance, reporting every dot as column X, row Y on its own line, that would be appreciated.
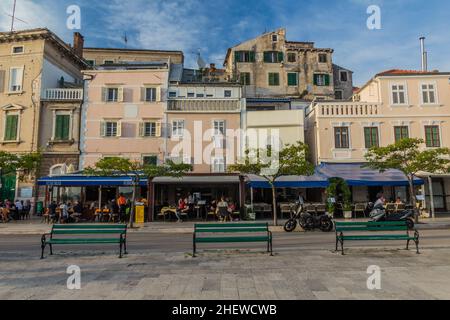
column 378, row 214
column 307, row 221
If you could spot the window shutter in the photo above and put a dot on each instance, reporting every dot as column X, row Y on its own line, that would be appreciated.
column 2, row 80
column 8, row 128
column 58, row 128
column 119, row 128
column 367, row 137
column 316, row 80
column 141, row 132
column 158, row 94
column 236, row 56
column 104, row 94
column 103, row 129
column 143, row 94
column 280, row 56
column 158, row 129
column 20, row 78
column 327, row 79
column 120, row 94
column 267, row 56
column 252, row 56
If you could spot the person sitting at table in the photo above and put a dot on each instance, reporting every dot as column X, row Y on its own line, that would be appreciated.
column 182, row 208
column 398, row 201
column 222, row 209
column 77, row 212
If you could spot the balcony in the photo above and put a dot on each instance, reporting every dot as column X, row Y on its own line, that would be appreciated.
column 63, row 94
column 348, row 109
column 204, row 105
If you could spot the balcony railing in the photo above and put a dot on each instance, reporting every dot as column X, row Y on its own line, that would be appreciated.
column 211, row 105
column 63, row 94
column 348, row 109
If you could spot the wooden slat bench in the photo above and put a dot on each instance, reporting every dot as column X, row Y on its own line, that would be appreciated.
column 370, row 231
column 77, row 234
column 229, row 233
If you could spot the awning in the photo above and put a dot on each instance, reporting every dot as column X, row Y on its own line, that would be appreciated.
column 205, row 179
column 317, row 180
column 84, row 181
column 355, row 174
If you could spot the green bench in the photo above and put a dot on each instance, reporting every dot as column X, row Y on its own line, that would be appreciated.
column 368, row 231
column 232, row 233
column 78, row 234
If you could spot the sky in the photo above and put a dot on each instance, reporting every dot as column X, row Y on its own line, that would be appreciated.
column 212, row 26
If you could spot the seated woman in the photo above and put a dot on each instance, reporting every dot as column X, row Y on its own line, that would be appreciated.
column 222, row 210
column 182, row 208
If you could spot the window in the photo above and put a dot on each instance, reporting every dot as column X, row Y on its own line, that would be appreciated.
column 150, row 160
column 219, row 127
column 273, row 56
column 218, row 165
column 401, row 132
column 339, row 95
column 227, row 93
column 322, row 80
column 428, row 93
column 91, row 62
column 341, row 138
column 343, row 76
column 108, row 62
column 274, row 38
column 11, row 127
column 292, row 78
column 112, row 94
column 323, row 58
column 274, row 79
column 200, row 95
column 245, row 78
column 398, row 94
column 150, row 94
column 177, row 128
column 371, row 137
column 62, row 127
column 292, row 57
column 172, row 94
column 191, row 95
column 149, row 129
column 111, row 129
column 432, row 137
column 244, row 56
column 17, row 50
column 15, row 79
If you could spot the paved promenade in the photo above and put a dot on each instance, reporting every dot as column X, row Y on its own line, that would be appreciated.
column 307, row 268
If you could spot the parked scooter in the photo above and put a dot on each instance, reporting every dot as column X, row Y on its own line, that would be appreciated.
column 378, row 214
column 307, row 221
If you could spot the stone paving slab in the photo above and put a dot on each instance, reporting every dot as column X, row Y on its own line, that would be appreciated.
column 230, row 275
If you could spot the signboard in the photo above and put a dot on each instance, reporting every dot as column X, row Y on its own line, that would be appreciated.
column 140, row 214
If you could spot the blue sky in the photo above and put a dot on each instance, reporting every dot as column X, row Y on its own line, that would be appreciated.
column 212, row 26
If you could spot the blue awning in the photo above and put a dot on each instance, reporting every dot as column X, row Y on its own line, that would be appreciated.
column 355, row 174
column 316, row 180
column 84, row 181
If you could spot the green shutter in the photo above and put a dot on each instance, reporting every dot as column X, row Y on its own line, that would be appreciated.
column 252, row 56
column 428, row 137
column 11, row 127
column 237, row 56
column 327, row 79
column 267, row 56
column 375, row 137
column 398, row 134
column 316, row 82
column 367, row 137
column 292, row 79
column 62, row 127
column 280, row 57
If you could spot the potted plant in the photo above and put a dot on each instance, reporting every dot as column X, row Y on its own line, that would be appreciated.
column 348, row 210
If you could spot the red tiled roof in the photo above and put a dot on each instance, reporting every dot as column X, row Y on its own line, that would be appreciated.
column 405, row 72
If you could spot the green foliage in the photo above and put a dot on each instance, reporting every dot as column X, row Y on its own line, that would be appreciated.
column 170, row 168
column 339, row 184
column 25, row 163
column 407, row 156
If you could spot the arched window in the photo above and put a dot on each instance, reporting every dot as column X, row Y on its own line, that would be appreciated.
column 58, row 169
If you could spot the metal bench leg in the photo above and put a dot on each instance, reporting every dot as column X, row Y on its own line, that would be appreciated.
column 271, row 247
column 342, row 245
column 194, row 246
column 120, row 252
column 407, row 244
column 417, row 246
column 51, row 249
column 125, row 246
column 43, row 249
column 337, row 242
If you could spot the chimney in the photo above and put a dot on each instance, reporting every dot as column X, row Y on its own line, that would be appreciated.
column 424, row 54
column 78, row 44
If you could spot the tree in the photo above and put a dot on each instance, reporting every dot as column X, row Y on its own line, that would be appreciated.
column 291, row 161
column 12, row 162
column 116, row 166
column 407, row 156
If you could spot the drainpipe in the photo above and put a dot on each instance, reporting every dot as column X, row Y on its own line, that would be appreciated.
column 430, row 186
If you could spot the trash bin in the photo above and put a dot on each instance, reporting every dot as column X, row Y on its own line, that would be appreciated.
column 140, row 214
column 39, row 208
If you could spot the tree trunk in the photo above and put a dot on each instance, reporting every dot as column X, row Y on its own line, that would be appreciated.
column 133, row 201
column 274, row 205
column 412, row 200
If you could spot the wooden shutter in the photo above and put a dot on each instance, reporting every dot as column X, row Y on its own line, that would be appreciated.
column 120, row 94
column 158, row 94
column 280, row 56
column 158, row 129
column 11, row 127
column 237, row 55
column 58, row 128
column 65, row 127
column 2, row 80
column 141, row 129
column 104, row 94
column 143, row 94
column 267, row 56
column 103, row 129
column 119, row 128
column 252, row 56
column 327, row 79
